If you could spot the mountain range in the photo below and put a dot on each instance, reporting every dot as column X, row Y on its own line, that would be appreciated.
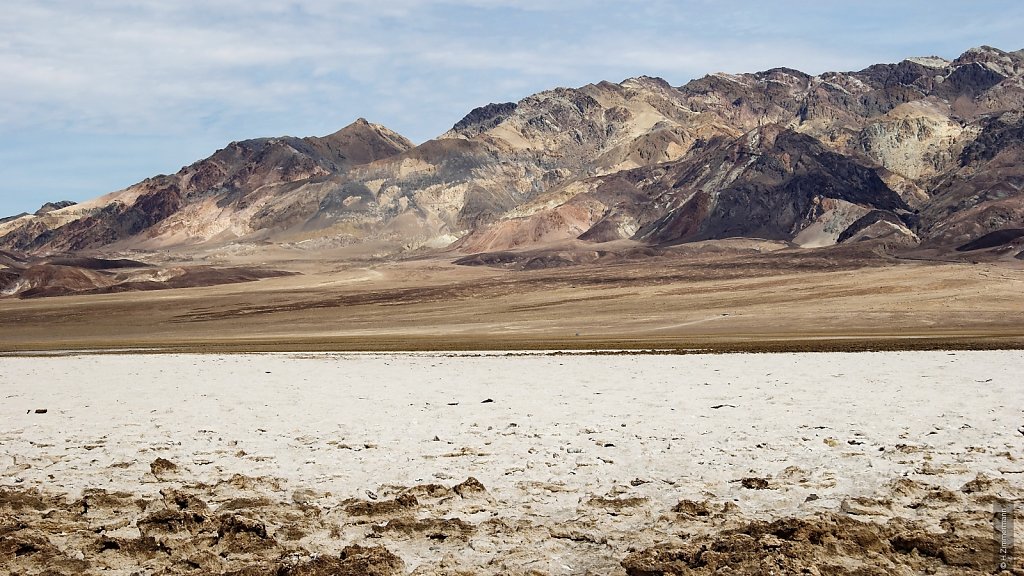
column 921, row 157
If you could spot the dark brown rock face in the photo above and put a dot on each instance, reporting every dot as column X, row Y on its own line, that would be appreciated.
column 779, row 185
column 983, row 193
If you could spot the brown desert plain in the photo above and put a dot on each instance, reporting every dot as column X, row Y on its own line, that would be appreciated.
column 739, row 295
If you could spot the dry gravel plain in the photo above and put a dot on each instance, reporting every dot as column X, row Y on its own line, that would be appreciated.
column 781, row 301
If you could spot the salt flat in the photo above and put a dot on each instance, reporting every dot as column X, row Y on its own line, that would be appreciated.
column 606, row 445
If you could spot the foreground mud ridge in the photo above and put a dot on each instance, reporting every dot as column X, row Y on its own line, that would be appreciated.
column 246, row 525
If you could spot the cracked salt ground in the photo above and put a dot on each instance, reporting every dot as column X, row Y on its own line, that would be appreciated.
column 891, row 467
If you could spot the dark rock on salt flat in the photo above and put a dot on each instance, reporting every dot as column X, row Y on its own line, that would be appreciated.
column 470, row 488
column 755, row 483
column 162, row 467
column 404, row 503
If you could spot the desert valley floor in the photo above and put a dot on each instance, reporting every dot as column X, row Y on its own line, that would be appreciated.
column 724, row 296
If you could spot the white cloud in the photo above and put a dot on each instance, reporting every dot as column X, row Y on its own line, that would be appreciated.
column 152, row 65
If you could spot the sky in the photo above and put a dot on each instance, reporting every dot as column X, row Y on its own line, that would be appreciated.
column 96, row 95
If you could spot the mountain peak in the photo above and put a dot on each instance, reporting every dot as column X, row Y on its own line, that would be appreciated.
column 645, row 81
column 51, row 206
column 363, row 142
column 359, row 125
column 1004, row 64
column 984, row 49
column 783, row 71
column 484, row 118
column 929, row 61
column 983, row 54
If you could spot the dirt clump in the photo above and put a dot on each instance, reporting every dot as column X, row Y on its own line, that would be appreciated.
column 162, row 467
column 828, row 543
column 354, row 560
column 433, row 528
column 470, row 488
column 692, row 508
column 403, row 504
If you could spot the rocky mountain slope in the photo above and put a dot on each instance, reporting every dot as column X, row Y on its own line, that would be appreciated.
column 923, row 154
column 924, row 151
column 242, row 190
